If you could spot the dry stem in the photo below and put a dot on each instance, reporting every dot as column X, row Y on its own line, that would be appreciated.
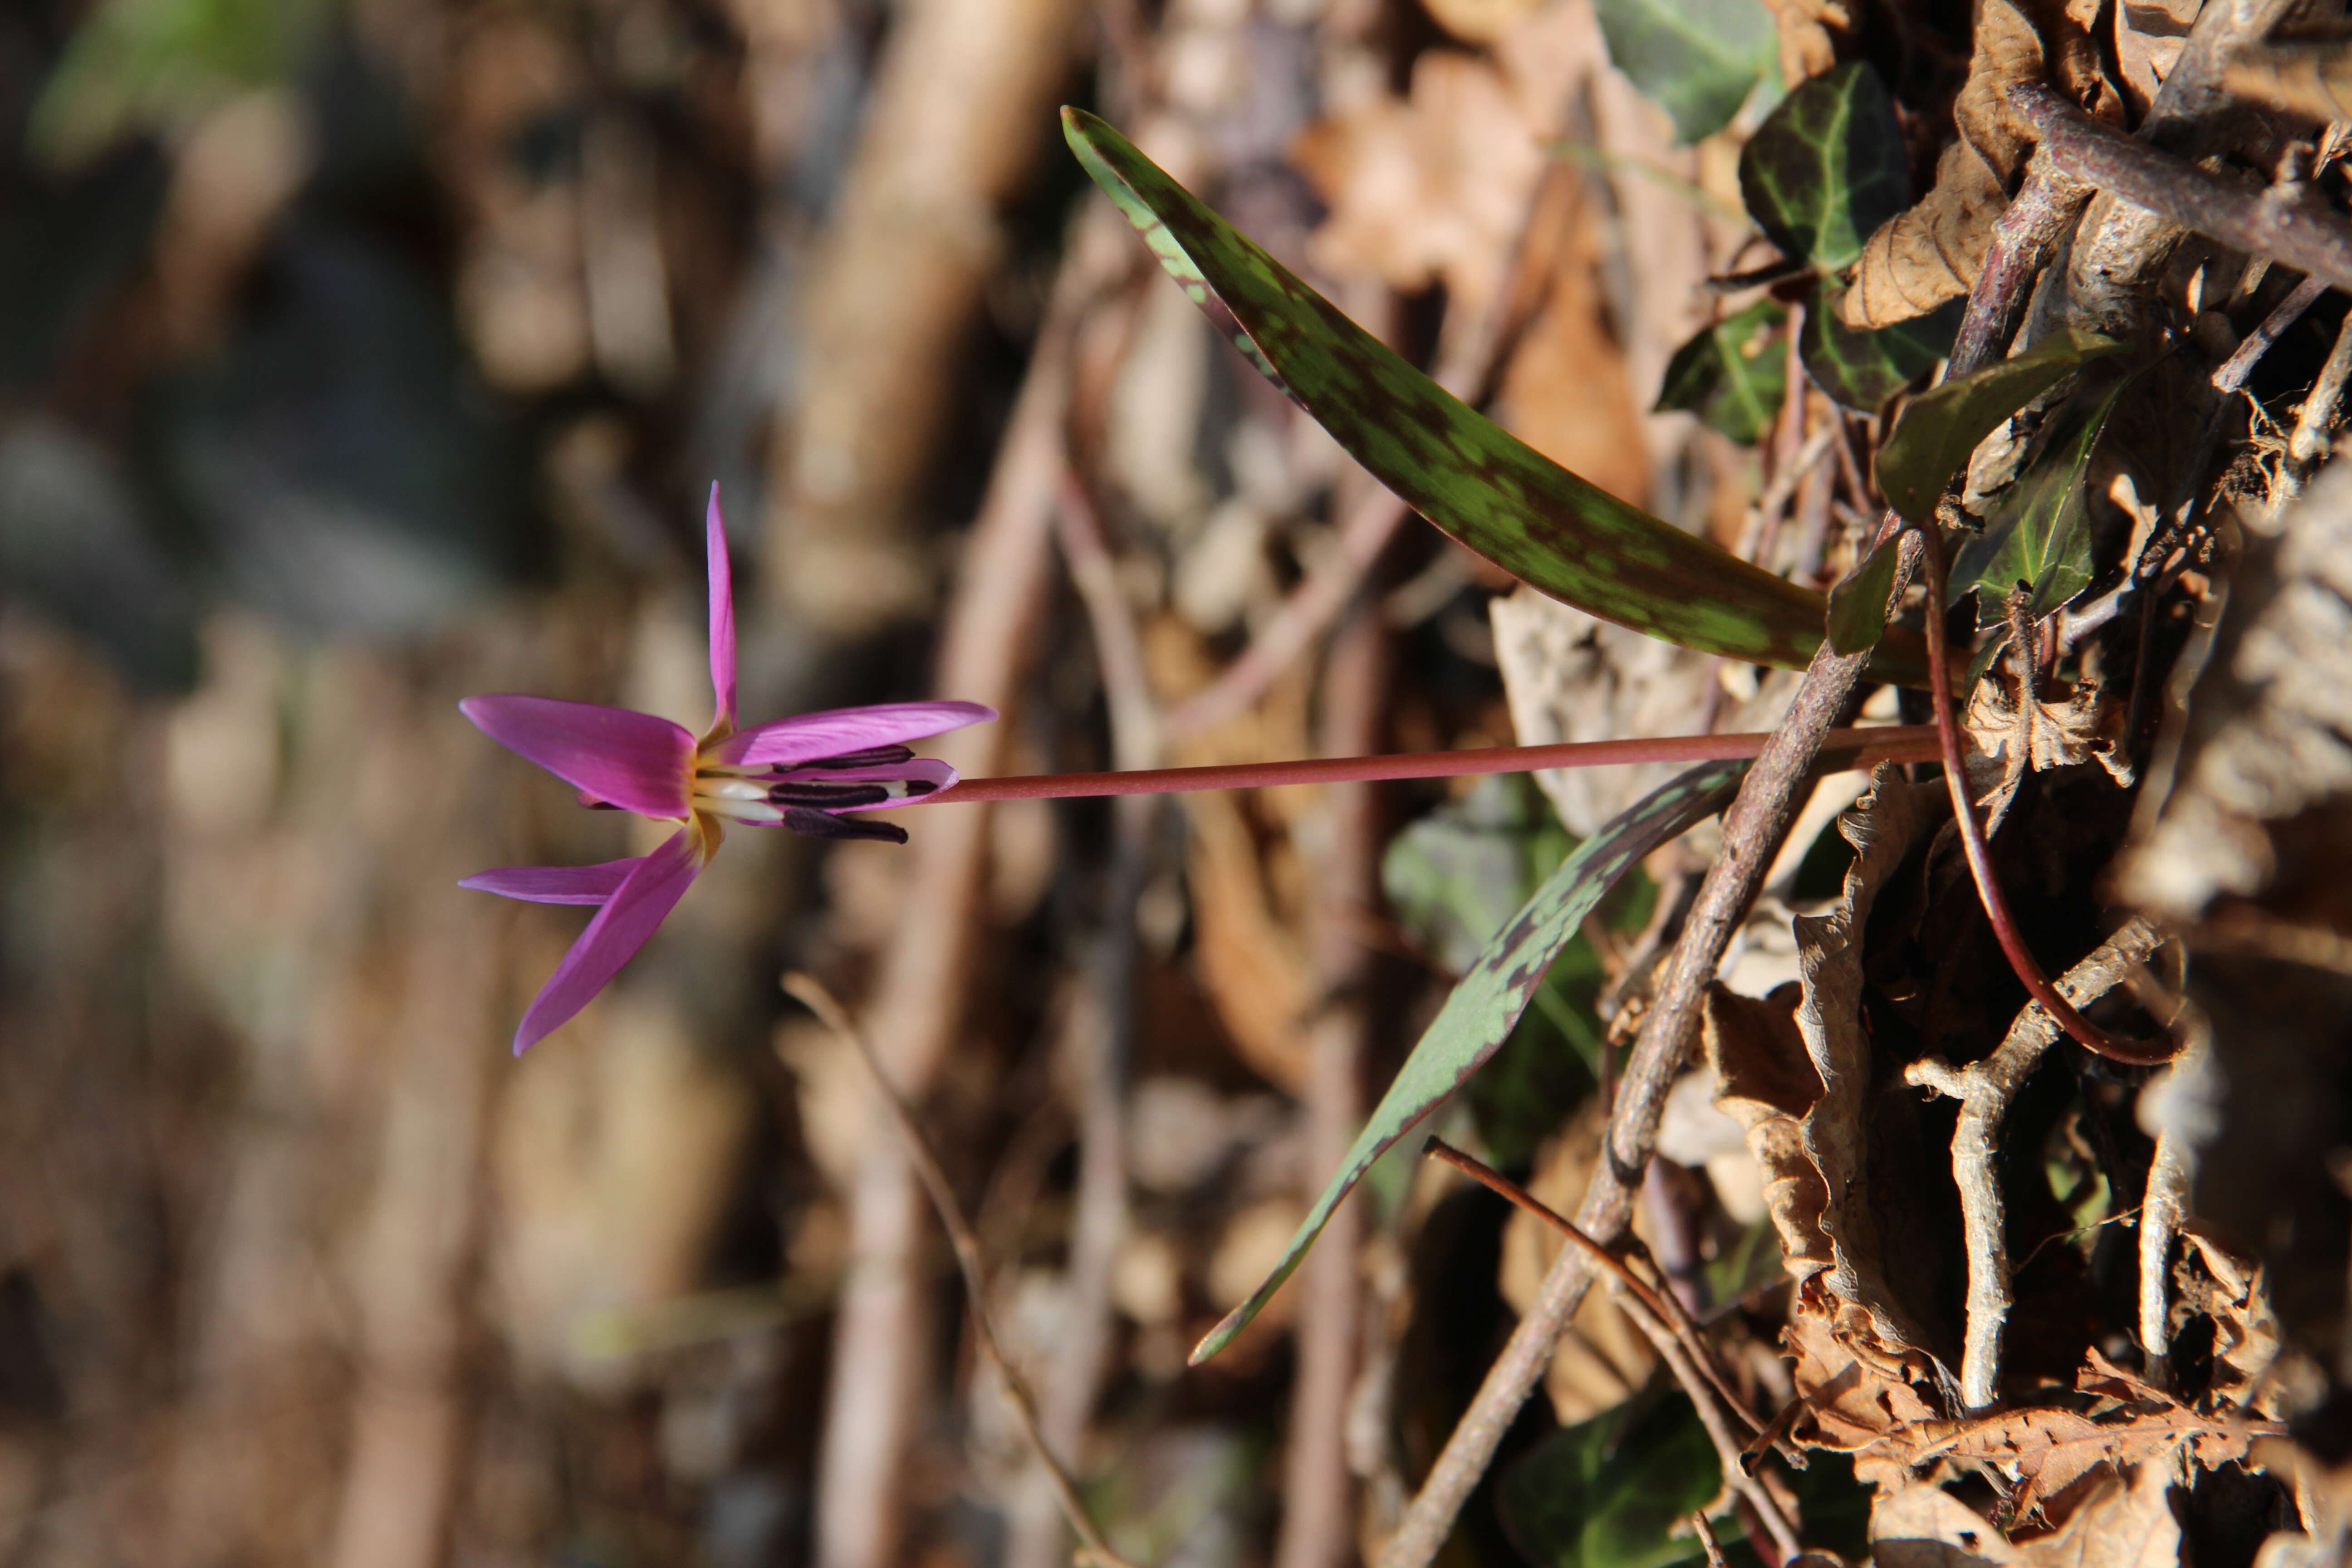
column 1984, row 1089
column 818, row 1000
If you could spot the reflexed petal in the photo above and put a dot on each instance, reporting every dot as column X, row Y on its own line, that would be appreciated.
column 555, row 884
column 722, row 613
column 613, row 938
column 929, row 770
column 635, row 760
column 828, row 734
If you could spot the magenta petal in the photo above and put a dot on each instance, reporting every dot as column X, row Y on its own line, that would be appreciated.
column 722, row 612
column 842, row 729
column 555, row 884
column 634, row 761
column 640, row 904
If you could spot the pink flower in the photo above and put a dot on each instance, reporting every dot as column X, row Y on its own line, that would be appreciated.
column 798, row 773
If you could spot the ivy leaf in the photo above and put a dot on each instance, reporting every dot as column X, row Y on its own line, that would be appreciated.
column 1732, row 375
column 1612, row 1493
column 1858, row 603
column 1827, row 167
column 1699, row 59
column 1464, row 473
column 1936, row 435
column 1861, row 367
column 2041, row 537
column 1487, row 1003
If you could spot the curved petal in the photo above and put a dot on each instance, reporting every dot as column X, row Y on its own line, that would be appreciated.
column 928, row 770
column 722, row 613
column 806, row 736
column 641, row 902
column 635, row 760
column 555, row 884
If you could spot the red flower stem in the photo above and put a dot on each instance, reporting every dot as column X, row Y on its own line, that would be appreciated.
column 1859, row 748
column 2115, row 1048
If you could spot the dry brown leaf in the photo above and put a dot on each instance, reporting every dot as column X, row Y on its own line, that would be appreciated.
column 2120, row 1527
column 1766, row 1082
column 2267, row 743
column 2227, row 1289
column 1927, row 1527
column 2148, row 37
column 1601, row 1359
column 1813, row 33
column 1882, row 827
column 1921, row 258
column 1858, row 1388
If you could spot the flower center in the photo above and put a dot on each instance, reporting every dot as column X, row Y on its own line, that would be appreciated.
column 802, row 795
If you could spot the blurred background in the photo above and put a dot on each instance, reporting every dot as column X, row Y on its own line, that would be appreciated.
column 356, row 355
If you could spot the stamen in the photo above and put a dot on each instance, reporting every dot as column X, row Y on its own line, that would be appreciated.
column 835, row 796
column 819, row 825
column 757, row 812
column 871, row 757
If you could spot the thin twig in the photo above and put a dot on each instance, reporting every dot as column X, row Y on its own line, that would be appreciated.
column 2317, row 415
column 1666, row 1324
column 2115, row 1048
column 1706, row 1532
column 2165, row 1202
column 813, row 994
column 2233, row 371
column 2296, row 229
column 1984, row 1089
column 1752, row 832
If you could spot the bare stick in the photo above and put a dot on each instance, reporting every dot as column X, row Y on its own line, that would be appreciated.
column 1985, row 1090
column 2317, row 415
column 1668, row 1326
column 2232, row 373
column 1706, row 1532
column 813, row 994
column 1752, row 832
column 1866, row 746
column 2115, row 1048
column 2292, row 227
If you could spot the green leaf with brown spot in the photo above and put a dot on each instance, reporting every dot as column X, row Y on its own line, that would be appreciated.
column 1732, row 373
column 1484, row 1007
column 1458, row 469
column 1938, row 431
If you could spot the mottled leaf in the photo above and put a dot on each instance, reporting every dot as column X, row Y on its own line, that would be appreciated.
column 1731, row 374
column 1610, row 1493
column 1858, row 603
column 2042, row 535
column 1861, row 367
column 1478, row 483
column 1933, row 440
column 1484, row 1007
column 1699, row 59
column 1827, row 167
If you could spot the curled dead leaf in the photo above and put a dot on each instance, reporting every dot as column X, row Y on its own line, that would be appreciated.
column 1932, row 252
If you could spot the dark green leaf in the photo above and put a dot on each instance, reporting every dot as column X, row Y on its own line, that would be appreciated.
column 1933, row 440
column 1612, row 1493
column 1697, row 58
column 1488, row 1002
column 1858, row 603
column 1863, row 367
column 1732, row 373
column 1827, row 167
column 2041, row 537
column 1459, row 470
